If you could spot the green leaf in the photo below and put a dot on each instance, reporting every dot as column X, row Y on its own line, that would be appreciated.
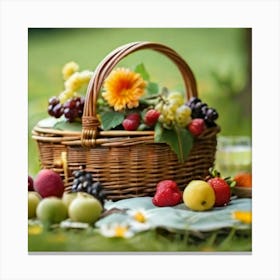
column 65, row 125
column 179, row 139
column 152, row 88
column 60, row 124
column 140, row 68
column 49, row 122
column 111, row 119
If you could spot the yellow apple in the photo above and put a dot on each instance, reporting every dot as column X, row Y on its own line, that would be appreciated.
column 199, row 195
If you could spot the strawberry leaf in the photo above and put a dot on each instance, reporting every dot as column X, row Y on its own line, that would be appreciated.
column 111, row 119
column 179, row 139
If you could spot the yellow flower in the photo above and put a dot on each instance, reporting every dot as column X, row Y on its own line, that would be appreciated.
column 35, row 229
column 77, row 80
column 69, row 68
column 123, row 88
column 243, row 216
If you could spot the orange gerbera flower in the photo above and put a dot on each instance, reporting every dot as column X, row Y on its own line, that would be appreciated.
column 123, row 88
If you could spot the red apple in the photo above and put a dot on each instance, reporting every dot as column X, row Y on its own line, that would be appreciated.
column 48, row 183
column 30, row 184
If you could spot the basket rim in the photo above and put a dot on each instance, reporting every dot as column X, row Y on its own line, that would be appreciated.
column 107, row 138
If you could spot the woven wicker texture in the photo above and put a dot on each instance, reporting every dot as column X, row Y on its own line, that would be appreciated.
column 128, row 164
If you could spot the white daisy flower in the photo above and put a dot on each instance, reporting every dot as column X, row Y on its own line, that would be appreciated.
column 140, row 219
column 116, row 230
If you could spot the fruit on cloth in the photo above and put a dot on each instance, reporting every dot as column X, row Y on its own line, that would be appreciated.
column 84, row 182
column 196, row 126
column 33, row 201
column 243, row 179
column 51, row 210
column 221, row 186
column 85, row 208
column 167, row 194
column 30, row 183
column 222, row 191
column 151, row 117
column 131, row 122
column 67, row 198
column 201, row 110
column 48, row 183
column 198, row 195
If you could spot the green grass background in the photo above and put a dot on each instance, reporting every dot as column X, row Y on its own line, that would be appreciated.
column 219, row 58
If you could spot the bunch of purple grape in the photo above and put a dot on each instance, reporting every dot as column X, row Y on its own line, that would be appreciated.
column 201, row 110
column 84, row 182
column 72, row 109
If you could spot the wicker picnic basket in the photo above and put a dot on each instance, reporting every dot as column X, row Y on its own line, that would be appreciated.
column 127, row 163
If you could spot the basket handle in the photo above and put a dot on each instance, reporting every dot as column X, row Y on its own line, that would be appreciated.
column 90, row 122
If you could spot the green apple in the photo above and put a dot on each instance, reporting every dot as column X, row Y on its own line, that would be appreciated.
column 199, row 195
column 33, row 201
column 67, row 198
column 85, row 208
column 51, row 210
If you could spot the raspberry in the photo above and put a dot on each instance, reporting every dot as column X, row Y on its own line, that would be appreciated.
column 167, row 194
column 196, row 126
column 131, row 122
column 151, row 117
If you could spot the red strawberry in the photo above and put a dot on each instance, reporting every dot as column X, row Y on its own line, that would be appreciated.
column 131, row 122
column 196, row 126
column 151, row 117
column 167, row 194
column 222, row 191
column 166, row 184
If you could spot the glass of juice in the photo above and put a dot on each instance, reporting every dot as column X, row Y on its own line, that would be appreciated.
column 234, row 155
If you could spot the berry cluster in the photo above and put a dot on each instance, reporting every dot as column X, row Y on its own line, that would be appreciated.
column 201, row 110
column 72, row 109
column 133, row 120
column 83, row 182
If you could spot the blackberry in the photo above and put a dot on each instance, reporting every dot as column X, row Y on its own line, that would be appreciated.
column 83, row 182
